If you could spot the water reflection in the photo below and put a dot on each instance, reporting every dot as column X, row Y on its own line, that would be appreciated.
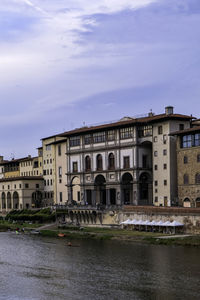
column 46, row 268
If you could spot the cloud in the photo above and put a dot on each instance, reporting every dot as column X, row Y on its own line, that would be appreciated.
column 57, row 57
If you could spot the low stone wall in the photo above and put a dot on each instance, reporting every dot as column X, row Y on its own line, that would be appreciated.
column 190, row 217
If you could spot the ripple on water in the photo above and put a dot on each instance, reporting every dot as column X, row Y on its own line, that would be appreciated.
column 45, row 268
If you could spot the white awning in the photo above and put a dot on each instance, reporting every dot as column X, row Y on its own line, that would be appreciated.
column 176, row 224
column 160, row 223
column 166, row 224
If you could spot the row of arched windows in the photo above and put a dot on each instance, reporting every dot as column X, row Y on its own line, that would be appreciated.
column 99, row 162
column 186, row 178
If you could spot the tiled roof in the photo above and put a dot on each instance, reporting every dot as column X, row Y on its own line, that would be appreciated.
column 189, row 130
column 21, row 178
column 144, row 120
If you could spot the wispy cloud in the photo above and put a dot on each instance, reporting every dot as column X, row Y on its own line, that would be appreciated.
column 57, row 55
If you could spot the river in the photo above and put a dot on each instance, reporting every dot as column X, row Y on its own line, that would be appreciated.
column 34, row 267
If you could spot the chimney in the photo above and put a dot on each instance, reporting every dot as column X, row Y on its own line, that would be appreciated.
column 169, row 110
column 150, row 114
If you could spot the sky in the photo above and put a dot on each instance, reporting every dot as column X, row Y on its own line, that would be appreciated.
column 69, row 63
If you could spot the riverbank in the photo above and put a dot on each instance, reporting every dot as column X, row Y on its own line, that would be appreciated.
column 125, row 235
column 72, row 232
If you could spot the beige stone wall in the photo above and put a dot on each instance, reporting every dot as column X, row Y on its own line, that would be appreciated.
column 61, row 170
column 191, row 190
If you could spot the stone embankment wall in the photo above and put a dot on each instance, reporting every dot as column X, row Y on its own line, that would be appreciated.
column 190, row 217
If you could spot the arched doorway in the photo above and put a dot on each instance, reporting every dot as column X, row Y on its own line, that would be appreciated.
column 100, row 187
column 37, row 199
column 3, row 199
column 198, row 202
column 145, row 189
column 186, row 202
column 15, row 200
column 127, row 188
column 9, row 205
column 76, row 189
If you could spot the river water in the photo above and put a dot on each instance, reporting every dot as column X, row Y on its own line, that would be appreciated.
column 34, row 267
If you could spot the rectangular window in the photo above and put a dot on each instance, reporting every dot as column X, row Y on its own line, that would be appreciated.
column 165, row 182
column 164, row 151
column 145, row 131
column 181, row 126
column 155, row 139
column 37, row 186
column 160, row 129
column 99, row 137
column 197, row 140
column 126, row 162
column 26, row 185
column 48, row 147
column 187, row 141
column 156, row 199
column 156, row 182
column 51, row 182
column 164, row 139
column 164, row 166
column 59, row 150
column 185, row 159
column 60, row 171
column 61, row 197
column 111, row 135
column 75, row 166
column 155, row 153
column 88, row 139
column 60, row 180
column 126, row 133
column 74, row 141
column 155, row 167
column 156, row 190
column 50, row 171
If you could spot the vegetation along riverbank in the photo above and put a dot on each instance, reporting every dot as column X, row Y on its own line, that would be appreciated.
column 70, row 233
column 44, row 221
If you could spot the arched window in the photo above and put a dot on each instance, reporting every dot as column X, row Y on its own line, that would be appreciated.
column 87, row 163
column 99, row 162
column 185, row 179
column 3, row 197
column 197, row 178
column 185, row 159
column 111, row 161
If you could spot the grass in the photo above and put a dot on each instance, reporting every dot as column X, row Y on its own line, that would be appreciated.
column 193, row 240
column 5, row 225
column 101, row 233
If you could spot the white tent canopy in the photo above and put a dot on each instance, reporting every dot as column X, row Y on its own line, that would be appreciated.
column 176, row 224
column 151, row 223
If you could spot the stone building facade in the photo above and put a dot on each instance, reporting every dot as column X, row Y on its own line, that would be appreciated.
column 130, row 162
column 20, row 193
column 188, row 166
